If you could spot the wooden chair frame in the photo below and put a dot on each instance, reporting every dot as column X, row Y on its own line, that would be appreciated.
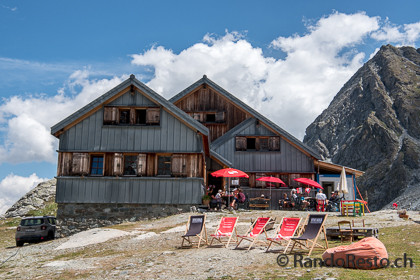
column 312, row 243
column 281, row 241
column 200, row 236
column 219, row 237
column 345, row 232
column 254, row 239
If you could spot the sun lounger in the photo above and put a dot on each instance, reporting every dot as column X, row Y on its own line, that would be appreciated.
column 284, row 231
column 308, row 240
column 254, row 232
column 196, row 227
column 225, row 230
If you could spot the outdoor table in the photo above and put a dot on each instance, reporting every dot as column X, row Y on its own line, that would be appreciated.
column 333, row 232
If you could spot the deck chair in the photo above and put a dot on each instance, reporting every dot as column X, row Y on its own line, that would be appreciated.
column 196, row 227
column 225, row 230
column 314, row 224
column 284, row 231
column 254, row 232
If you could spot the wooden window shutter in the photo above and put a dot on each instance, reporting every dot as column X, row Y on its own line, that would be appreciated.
column 257, row 144
column 141, row 164
column 153, row 116
column 240, row 143
column 274, row 143
column 132, row 115
column 198, row 117
column 80, row 164
column 110, row 115
column 193, row 165
column 179, row 165
column 118, row 164
column 263, row 144
column 65, row 162
column 220, row 117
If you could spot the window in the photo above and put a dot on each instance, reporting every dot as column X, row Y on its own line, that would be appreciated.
column 124, row 116
column 131, row 116
column 130, row 165
column 250, row 143
column 257, row 143
column 97, row 165
column 211, row 118
column 164, row 166
column 140, row 116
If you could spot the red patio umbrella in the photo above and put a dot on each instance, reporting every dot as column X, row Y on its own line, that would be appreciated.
column 272, row 180
column 228, row 173
column 309, row 182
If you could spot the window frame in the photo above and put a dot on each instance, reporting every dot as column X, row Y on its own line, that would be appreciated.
column 92, row 157
column 125, row 155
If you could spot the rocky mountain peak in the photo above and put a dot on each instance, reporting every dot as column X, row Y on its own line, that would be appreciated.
column 34, row 200
column 373, row 124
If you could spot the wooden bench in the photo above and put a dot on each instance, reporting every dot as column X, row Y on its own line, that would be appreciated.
column 259, row 202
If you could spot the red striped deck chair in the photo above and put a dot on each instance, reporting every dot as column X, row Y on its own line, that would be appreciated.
column 225, row 230
column 196, row 227
column 254, row 232
column 284, row 231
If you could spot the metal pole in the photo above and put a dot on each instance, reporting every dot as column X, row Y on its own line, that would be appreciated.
column 228, row 193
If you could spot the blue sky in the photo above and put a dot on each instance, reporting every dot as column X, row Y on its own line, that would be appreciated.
column 287, row 59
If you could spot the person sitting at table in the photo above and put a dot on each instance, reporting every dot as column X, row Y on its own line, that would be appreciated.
column 239, row 197
column 217, row 199
column 285, row 201
column 304, row 203
column 333, row 202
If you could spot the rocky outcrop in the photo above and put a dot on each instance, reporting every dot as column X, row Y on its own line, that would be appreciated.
column 373, row 124
column 35, row 199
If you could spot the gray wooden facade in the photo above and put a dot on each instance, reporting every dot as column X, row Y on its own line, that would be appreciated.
column 176, row 133
column 143, row 190
column 288, row 160
column 92, row 136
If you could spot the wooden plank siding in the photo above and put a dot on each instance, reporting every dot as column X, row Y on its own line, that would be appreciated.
column 208, row 100
column 91, row 135
column 288, row 159
column 143, row 190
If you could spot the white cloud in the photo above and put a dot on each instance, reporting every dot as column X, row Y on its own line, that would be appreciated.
column 401, row 35
column 13, row 187
column 26, row 121
column 292, row 91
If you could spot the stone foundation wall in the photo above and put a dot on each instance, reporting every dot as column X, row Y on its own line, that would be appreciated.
column 76, row 217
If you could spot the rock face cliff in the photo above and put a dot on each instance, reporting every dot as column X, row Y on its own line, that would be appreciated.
column 35, row 199
column 373, row 124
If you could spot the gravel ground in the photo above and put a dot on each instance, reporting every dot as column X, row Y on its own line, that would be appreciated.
column 150, row 250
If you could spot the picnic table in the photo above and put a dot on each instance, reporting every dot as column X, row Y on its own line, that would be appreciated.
column 334, row 233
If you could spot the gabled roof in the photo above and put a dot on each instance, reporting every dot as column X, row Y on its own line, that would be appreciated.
column 155, row 97
column 220, row 158
column 229, row 96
